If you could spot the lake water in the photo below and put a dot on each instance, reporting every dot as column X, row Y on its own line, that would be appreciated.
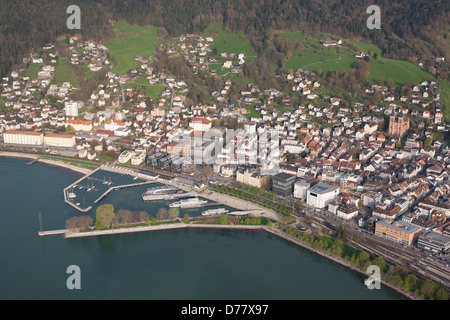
column 170, row 264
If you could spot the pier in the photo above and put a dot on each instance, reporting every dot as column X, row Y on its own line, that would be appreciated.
column 51, row 232
column 65, row 191
column 33, row 161
column 173, row 196
column 121, row 187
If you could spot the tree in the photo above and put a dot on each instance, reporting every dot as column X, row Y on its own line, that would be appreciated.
column 441, row 294
column 71, row 223
column 207, row 170
column 162, row 214
column 123, row 216
column 223, row 219
column 85, row 222
column 104, row 216
column 70, row 129
column 428, row 141
column 186, row 218
column 174, row 213
column 428, row 289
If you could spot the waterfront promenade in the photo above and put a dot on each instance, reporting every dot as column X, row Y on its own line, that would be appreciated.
column 179, row 225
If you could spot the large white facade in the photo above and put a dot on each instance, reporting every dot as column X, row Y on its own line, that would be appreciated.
column 320, row 195
column 23, row 137
column 71, row 108
column 300, row 190
column 59, row 140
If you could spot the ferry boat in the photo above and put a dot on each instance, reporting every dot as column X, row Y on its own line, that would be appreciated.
column 212, row 212
column 188, row 203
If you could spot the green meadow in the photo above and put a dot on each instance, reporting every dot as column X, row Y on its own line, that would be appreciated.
column 293, row 36
column 229, row 42
column 153, row 91
column 33, row 70
column 326, row 59
column 65, row 73
column 314, row 57
column 130, row 41
column 444, row 90
column 397, row 70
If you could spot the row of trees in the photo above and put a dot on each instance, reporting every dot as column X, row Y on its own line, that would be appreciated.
column 107, row 218
column 260, row 196
column 402, row 278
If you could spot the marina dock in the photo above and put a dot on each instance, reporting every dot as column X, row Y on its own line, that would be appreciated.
column 51, row 232
column 122, row 187
column 33, row 161
column 173, row 196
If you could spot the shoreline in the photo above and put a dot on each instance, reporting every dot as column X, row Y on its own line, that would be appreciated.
column 47, row 161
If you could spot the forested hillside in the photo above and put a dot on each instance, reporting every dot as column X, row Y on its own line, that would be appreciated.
column 411, row 30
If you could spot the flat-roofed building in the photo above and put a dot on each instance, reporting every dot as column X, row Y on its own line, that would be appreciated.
column 433, row 242
column 138, row 158
column 398, row 231
column 371, row 198
column 23, row 137
column 59, row 140
column 125, row 156
column 300, row 189
column 283, row 184
column 71, row 108
column 321, row 194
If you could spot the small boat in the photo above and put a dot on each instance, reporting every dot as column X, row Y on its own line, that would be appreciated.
column 71, row 195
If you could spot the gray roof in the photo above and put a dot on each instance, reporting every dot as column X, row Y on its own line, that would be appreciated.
column 322, row 188
column 436, row 237
column 400, row 225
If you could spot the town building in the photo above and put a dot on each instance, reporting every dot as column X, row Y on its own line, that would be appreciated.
column 300, row 189
column 200, row 124
column 125, row 156
column 283, row 183
column 433, row 242
column 398, row 125
column 398, row 231
column 71, row 108
column 59, row 140
column 321, row 194
column 252, row 178
column 371, row 199
column 79, row 125
column 23, row 137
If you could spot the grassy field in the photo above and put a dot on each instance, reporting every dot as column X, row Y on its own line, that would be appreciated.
column 397, row 70
column 64, row 73
column 33, row 70
column 444, row 87
column 153, row 91
column 365, row 47
column 315, row 57
column 131, row 41
column 293, row 36
column 229, row 42
column 318, row 57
